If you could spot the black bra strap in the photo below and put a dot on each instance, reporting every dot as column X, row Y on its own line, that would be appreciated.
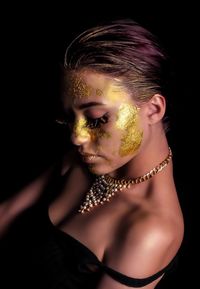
column 136, row 282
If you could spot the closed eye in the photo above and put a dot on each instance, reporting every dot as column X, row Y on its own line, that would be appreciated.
column 91, row 123
column 97, row 122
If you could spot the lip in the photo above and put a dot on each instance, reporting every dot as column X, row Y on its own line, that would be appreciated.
column 89, row 158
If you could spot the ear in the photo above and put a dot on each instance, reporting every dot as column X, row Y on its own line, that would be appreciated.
column 156, row 107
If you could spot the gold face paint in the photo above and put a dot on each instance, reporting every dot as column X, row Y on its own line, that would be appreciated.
column 80, row 128
column 78, row 88
column 99, row 92
column 127, row 121
column 114, row 93
column 99, row 133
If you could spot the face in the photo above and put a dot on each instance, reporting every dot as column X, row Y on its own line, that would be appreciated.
column 103, row 118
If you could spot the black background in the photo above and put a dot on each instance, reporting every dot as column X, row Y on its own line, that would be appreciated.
column 33, row 41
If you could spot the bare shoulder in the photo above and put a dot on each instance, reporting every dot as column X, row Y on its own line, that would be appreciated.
column 144, row 247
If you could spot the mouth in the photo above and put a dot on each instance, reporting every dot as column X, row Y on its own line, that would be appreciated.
column 89, row 158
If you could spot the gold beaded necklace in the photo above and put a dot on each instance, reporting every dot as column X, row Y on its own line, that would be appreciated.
column 105, row 187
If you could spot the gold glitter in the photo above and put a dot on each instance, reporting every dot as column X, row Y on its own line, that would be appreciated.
column 78, row 88
column 127, row 121
column 80, row 128
column 99, row 92
column 99, row 133
column 81, row 89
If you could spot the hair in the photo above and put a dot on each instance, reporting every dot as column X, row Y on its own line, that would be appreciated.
column 124, row 49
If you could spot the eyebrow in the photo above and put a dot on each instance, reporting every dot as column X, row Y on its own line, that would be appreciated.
column 89, row 104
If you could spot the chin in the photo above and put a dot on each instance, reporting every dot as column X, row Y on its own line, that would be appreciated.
column 95, row 170
column 100, row 169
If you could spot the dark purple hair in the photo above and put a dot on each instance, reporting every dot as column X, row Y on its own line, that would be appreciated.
column 124, row 49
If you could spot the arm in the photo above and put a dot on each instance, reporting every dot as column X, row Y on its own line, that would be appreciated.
column 29, row 195
column 142, row 252
column 22, row 200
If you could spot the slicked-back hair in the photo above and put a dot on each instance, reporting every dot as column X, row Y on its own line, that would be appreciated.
column 124, row 49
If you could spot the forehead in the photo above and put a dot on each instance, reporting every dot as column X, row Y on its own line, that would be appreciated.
column 86, row 86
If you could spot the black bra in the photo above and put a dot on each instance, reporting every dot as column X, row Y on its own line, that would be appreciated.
column 91, row 259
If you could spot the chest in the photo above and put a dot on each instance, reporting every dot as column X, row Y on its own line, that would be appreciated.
column 95, row 229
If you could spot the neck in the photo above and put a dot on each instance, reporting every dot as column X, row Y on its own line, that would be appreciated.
column 105, row 186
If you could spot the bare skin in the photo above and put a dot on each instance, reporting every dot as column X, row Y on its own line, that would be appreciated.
column 126, row 226
column 141, row 229
column 130, row 224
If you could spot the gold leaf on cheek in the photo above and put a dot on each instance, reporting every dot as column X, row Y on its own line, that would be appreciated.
column 127, row 121
column 128, row 145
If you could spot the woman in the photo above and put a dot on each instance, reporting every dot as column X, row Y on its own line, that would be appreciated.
column 113, row 219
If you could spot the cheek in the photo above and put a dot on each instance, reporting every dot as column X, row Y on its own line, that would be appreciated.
column 100, row 138
column 130, row 141
column 131, row 134
column 106, row 141
column 98, row 135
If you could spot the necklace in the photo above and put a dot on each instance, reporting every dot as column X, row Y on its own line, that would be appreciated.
column 105, row 187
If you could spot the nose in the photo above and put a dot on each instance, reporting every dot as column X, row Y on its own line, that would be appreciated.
column 80, row 133
column 79, row 139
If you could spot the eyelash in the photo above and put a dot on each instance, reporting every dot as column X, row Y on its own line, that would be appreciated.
column 92, row 123
column 97, row 122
